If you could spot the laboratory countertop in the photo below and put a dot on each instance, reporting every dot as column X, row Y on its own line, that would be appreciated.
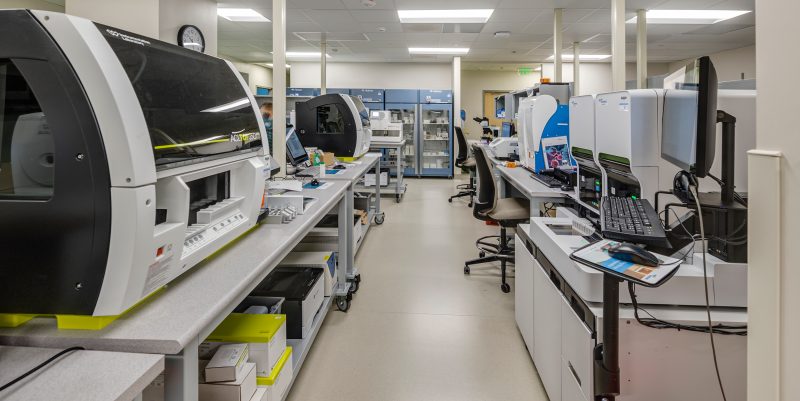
column 191, row 306
column 111, row 376
column 354, row 169
column 521, row 179
column 386, row 145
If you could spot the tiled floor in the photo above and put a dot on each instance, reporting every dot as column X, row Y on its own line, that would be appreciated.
column 419, row 329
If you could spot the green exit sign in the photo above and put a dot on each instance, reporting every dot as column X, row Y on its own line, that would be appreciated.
column 524, row 70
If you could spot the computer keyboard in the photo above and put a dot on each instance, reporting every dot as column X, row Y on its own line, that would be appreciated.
column 631, row 220
column 548, row 180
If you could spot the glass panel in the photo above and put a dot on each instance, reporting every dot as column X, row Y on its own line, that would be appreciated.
column 194, row 105
column 436, row 139
column 407, row 117
column 26, row 144
column 329, row 120
column 362, row 111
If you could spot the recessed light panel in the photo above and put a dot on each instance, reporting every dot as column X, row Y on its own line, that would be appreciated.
column 479, row 16
column 703, row 17
column 241, row 15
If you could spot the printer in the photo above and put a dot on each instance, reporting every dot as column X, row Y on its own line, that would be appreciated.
column 505, row 148
column 335, row 123
column 131, row 160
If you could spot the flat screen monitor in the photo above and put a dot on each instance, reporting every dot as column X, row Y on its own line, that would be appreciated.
column 295, row 152
column 508, row 130
column 690, row 117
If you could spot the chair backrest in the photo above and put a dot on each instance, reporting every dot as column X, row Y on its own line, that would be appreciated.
column 463, row 151
column 487, row 187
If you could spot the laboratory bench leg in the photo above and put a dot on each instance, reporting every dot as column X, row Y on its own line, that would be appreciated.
column 181, row 374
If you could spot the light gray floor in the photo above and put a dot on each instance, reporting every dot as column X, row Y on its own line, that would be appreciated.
column 419, row 329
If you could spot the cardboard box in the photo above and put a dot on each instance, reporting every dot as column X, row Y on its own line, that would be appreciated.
column 265, row 336
column 227, row 364
column 329, row 159
column 241, row 389
column 277, row 384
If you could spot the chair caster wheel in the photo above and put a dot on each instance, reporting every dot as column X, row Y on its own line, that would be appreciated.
column 466, row 269
column 450, row 200
column 470, row 204
column 482, row 254
column 505, row 287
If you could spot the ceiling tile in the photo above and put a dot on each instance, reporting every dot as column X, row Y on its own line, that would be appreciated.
column 375, row 15
column 379, row 5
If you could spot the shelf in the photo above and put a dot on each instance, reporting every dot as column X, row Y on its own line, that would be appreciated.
column 435, row 123
column 438, row 139
column 300, row 347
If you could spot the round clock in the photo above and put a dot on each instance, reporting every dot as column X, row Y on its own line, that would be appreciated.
column 190, row 37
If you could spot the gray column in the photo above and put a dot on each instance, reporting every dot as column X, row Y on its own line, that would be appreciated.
column 576, row 68
column 557, row 39
column 641, row 49
column 457, row 91
column 279, row 82
column 618, row 44
column 323, row 64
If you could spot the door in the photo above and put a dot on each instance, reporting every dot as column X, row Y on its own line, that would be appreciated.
column 436, row 140
column 406, row 114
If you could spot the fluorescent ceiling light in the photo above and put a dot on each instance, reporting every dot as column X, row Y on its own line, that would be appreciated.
column 477, row 16
column 689, row 16
column 438, row 50
column 236, row 104
column 270, row 65
column 308, row 55
column 241, row 15
column 587, row 57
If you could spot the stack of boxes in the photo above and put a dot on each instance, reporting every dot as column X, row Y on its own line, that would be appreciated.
column 258, row 339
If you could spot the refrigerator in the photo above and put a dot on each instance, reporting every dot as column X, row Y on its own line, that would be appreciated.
column 403, row 107
column 435, row 133
column 372, row 98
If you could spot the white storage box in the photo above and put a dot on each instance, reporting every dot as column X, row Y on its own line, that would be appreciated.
column 278, row 383
column 227, row 364
column 239, row 390
column 265, row 335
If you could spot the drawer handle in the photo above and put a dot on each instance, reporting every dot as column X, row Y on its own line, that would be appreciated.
column 574, row 373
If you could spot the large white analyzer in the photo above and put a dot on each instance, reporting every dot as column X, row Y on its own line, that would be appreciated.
column 627, row 130
column 541, row 118
column 591, row 179
column 150, row 157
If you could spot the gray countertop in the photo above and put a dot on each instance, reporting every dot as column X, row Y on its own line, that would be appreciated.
column 192, row 305
column 355, row 169
column 522, row 180
column 78, row 375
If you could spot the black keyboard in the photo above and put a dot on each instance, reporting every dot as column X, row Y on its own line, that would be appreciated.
column 549, row 180
column 631, row 220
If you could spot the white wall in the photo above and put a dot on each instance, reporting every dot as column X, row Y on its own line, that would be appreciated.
column 201, row 13
column 474, row 83
column 31, row 4
column 730, row 64
column 596, row 77
column 257, row 75
column 138, row 16
column 373, row 75
column 773, row 229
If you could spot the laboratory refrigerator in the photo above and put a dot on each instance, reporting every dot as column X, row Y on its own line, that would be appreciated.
column 427, row 118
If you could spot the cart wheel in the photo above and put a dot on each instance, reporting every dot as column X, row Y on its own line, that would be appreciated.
column 505, row 287
column 397, row 198
column 379, row 219
column 466, row 269
column 357, row 278
column 354, row 286
column 342, row 303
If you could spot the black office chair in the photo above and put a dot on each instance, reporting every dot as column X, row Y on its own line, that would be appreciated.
column 465, row 162
column 508, row 212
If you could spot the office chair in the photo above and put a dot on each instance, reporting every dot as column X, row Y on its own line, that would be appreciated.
column 465, row 162
column 507, row 212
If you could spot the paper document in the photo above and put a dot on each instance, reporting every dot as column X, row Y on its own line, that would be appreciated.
column 289, row 185
column 596, row 256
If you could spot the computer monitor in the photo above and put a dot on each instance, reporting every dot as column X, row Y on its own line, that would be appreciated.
column 690, row 117
column 295, row 152
column 508, row 130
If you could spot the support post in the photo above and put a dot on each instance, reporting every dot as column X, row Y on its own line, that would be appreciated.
column 323, row 64
column 576, row 68
column 606, row 354
column 557, row 39
column 618, row 45
column 279, row 83
column 457, row 91
column 641, row 49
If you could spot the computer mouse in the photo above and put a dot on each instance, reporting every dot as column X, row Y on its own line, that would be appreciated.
column 566, row 187
column 339, row 167
column 633, row 253
column 314, row 182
